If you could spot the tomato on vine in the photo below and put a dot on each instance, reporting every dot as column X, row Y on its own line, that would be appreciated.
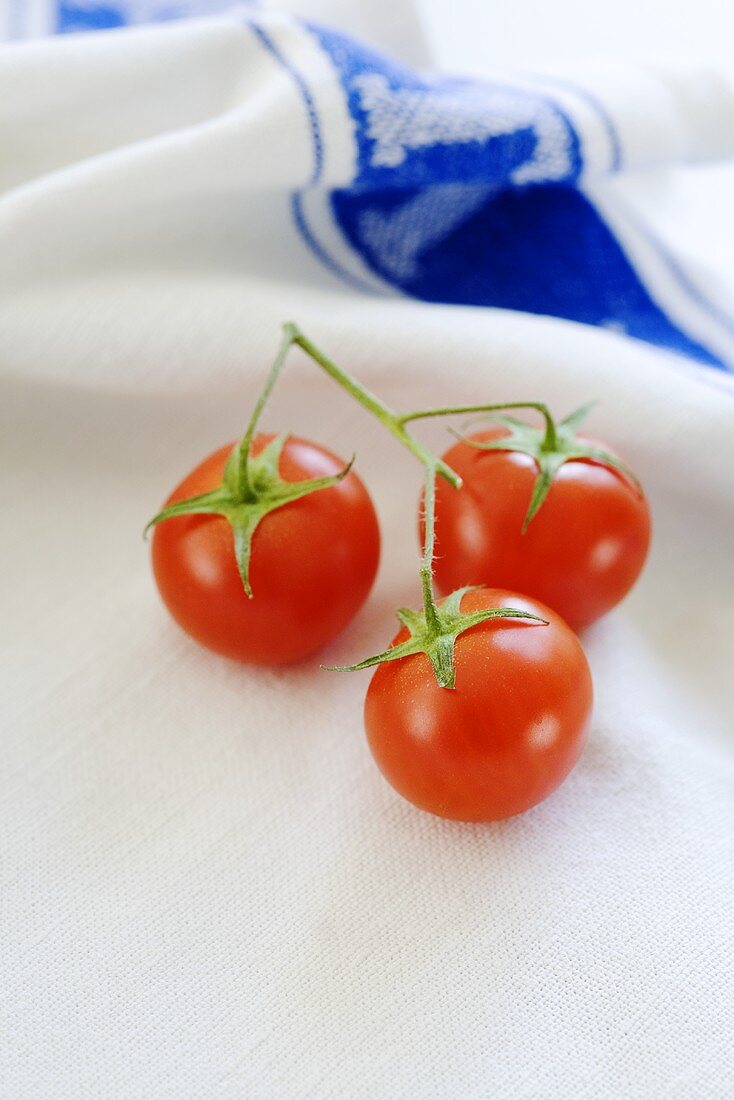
column 508, row 733
column 312, row 560
column 548, row 512
column 268, row 549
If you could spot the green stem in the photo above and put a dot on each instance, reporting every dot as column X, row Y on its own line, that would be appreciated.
column 244, row 489
column 395, row 424
column 550, row 442
column 393, row 421
column 429, row 539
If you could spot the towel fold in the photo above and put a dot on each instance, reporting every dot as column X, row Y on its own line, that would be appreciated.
column 206, row 888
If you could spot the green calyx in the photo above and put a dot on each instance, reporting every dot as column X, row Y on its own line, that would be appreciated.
column 551, row 446
column 435, row 632
column 250, row 488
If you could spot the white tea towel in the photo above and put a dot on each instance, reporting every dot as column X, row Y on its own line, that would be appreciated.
column 490, row 192
column 207, row 892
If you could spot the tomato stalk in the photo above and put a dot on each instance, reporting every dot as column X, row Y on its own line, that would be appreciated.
column 426, row 570
column 243, row 481
column 393, row 421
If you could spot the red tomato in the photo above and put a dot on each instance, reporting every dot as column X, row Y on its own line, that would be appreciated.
column 581, row 553
column 508, row 733
column 312, row 565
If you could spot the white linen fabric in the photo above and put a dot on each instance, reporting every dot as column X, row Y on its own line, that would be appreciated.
column 206, row 888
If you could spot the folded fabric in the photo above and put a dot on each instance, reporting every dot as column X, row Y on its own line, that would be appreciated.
column 465, row 191
column 207, row 891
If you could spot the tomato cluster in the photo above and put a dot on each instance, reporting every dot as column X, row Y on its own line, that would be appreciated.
column 480, row 706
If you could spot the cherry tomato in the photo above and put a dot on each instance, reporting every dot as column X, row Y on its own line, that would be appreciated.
column 581, row 553
column 312, row 563
column 508, row 733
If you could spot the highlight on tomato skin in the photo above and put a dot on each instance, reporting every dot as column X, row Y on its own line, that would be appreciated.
column 313, row 561
column 509, row 732
column 581, row 553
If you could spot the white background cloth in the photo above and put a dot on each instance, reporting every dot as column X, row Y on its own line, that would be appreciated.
column 207, row 889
